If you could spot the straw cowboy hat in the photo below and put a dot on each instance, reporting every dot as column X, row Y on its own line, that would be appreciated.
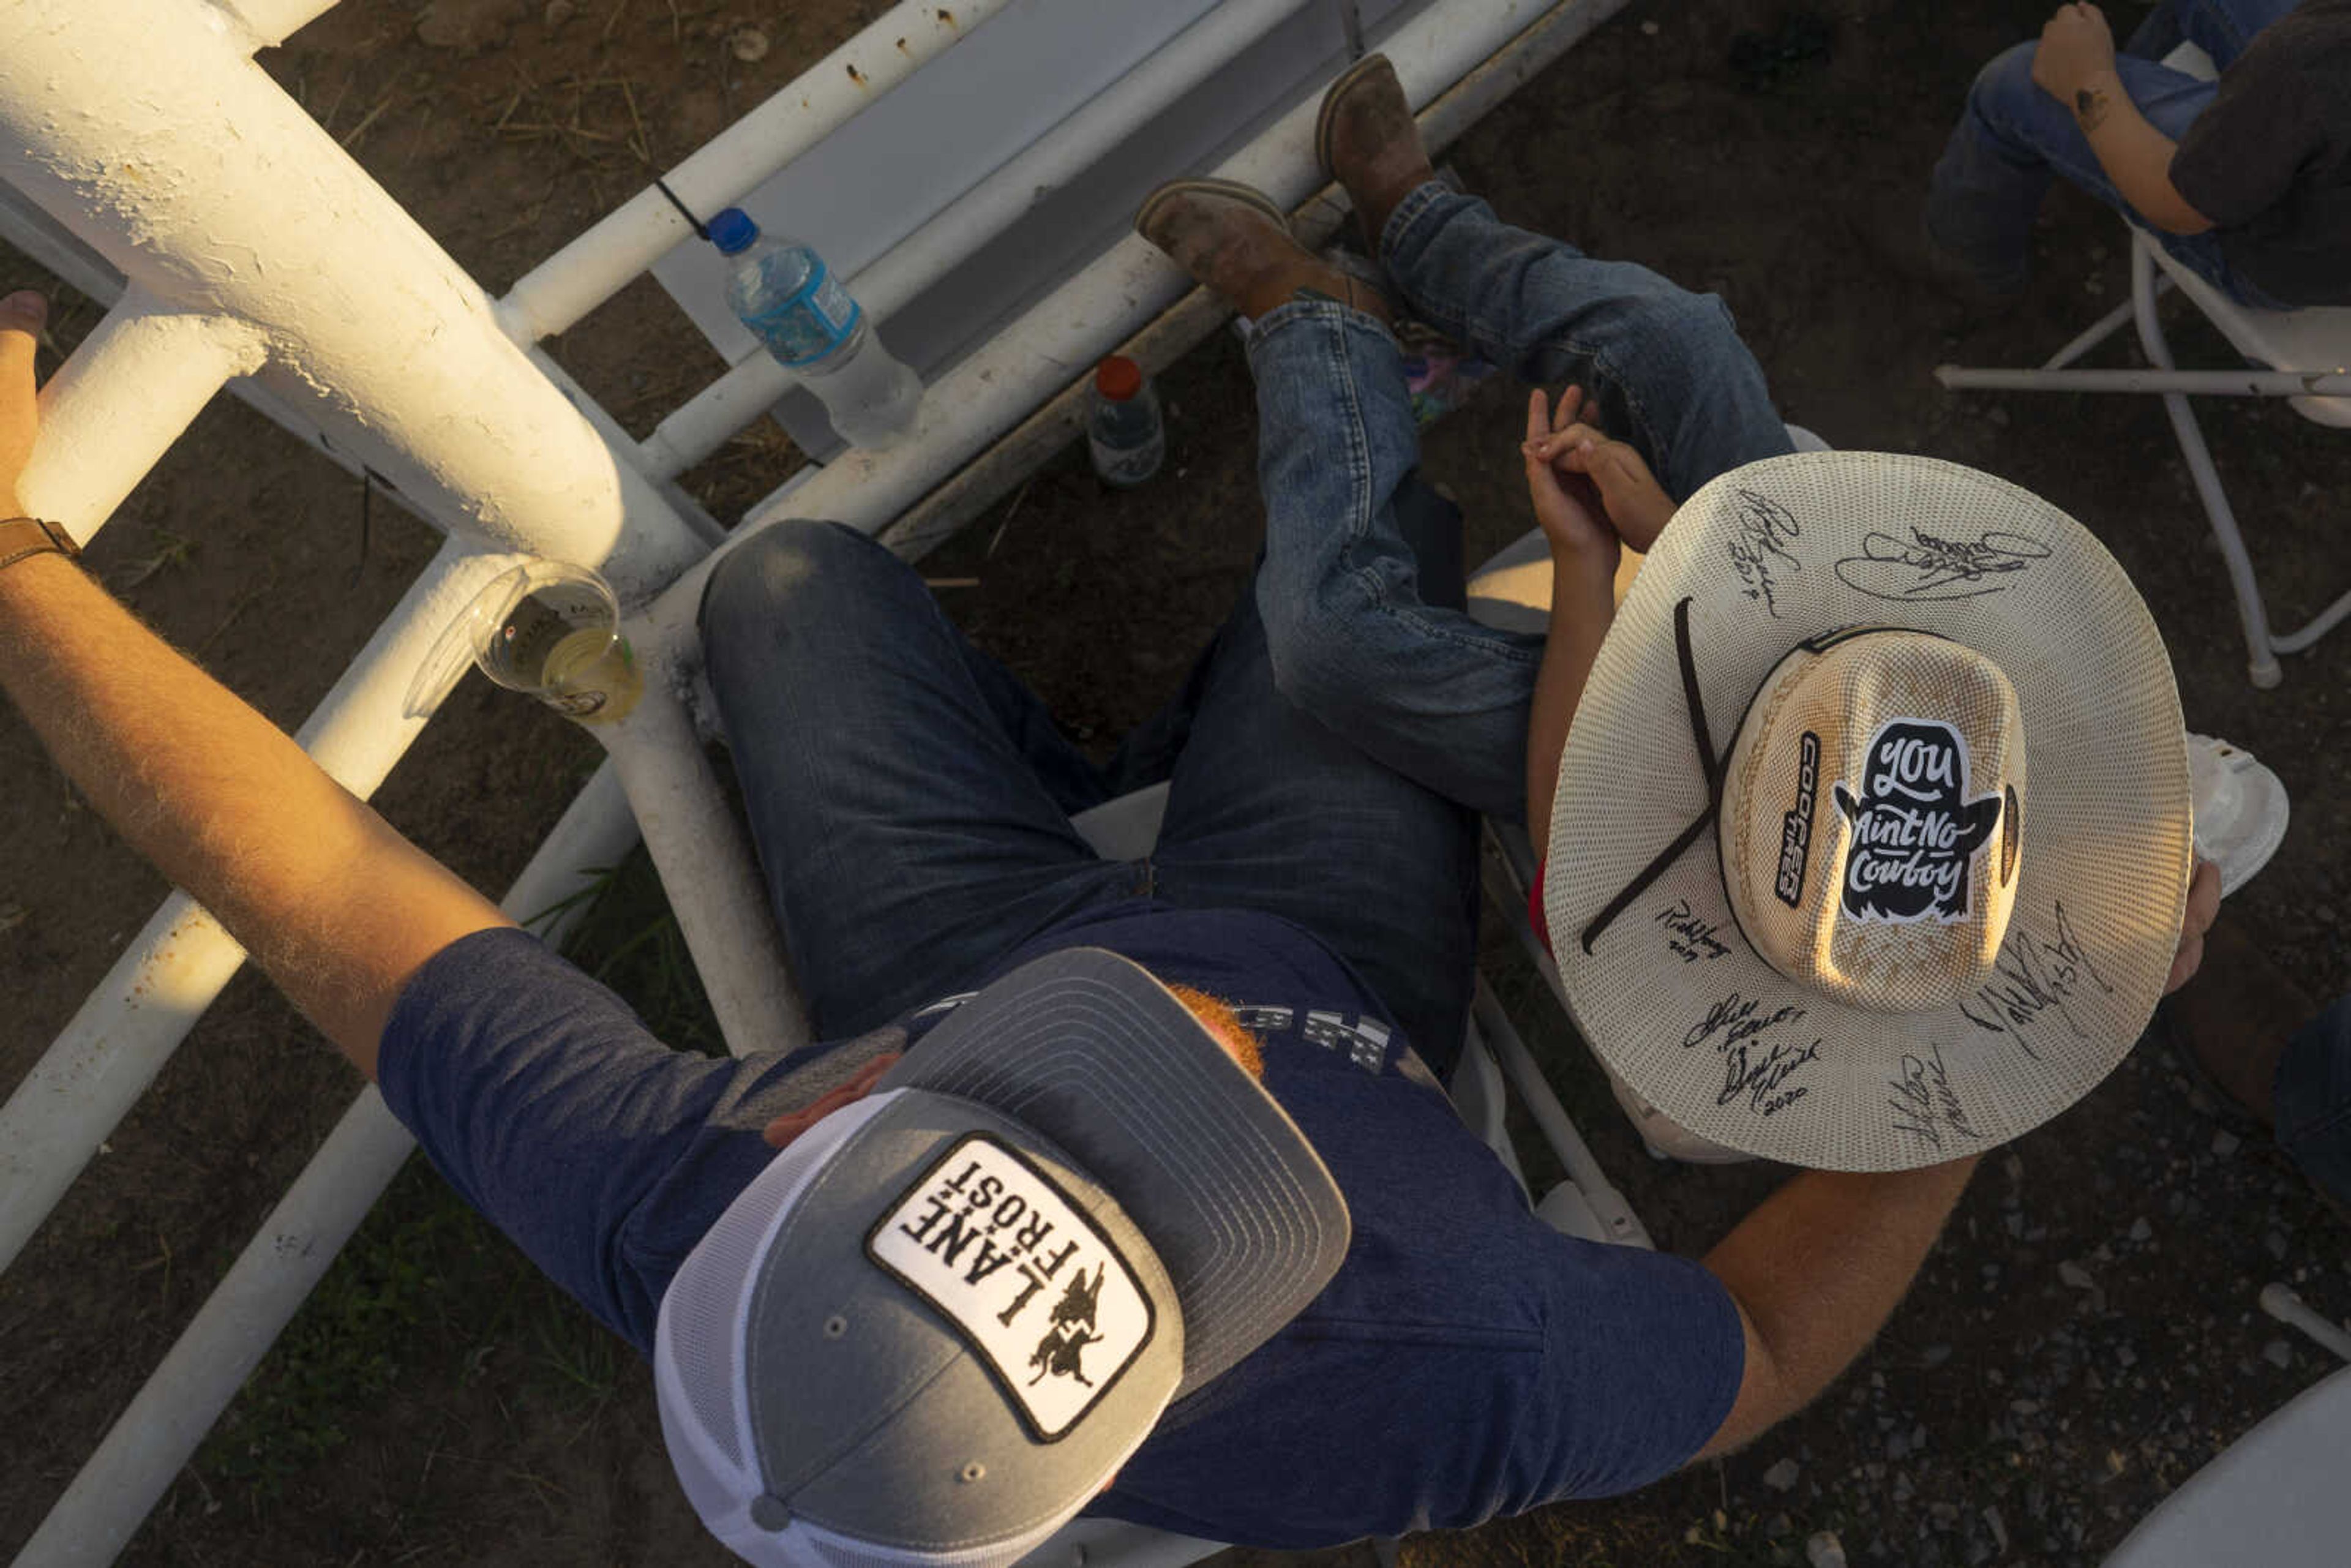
column 1873, row 842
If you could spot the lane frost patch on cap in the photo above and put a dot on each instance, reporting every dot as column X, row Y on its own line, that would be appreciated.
column 1046, row 1301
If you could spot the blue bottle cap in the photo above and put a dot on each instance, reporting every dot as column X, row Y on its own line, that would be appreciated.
column 733, row 231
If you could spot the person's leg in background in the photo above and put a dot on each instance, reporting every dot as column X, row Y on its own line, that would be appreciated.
column 909, row 798
column 1662, row 367
column 2221, row 28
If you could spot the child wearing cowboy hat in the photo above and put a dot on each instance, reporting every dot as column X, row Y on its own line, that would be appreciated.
column 1882, row 782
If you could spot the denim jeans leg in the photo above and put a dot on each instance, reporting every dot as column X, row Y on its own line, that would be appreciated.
column 1272, row 810
column 1360, row 636
column 2221, row 28
column 2013, row 137
column 892, row 775
column 1665, row 365
column 2312, row 1092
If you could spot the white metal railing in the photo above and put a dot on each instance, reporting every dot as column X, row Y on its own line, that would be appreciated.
column 491, row 443
column 921, row 259
column 616, row 250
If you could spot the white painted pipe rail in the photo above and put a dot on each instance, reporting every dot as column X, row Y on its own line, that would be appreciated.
column 135, row 384
column 1176, row 331
column 553, row 295
column 2195, row 383
column 915, row 263
column 144, row 127
column 160, row 1430
column 268, row 23
column 1030, row 360
column 706, row 863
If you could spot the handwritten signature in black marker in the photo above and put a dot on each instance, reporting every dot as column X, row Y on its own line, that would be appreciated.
column 1760, row 1071
column 1925, row 568
column 1924, row 1103
column 1737, row 1017
column 2035, row 976
column 1762, row 531
column 1687, row 936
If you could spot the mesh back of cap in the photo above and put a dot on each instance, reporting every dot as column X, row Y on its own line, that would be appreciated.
column 698, row 1344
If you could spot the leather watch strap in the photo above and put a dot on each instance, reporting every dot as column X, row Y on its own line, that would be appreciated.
column 23, row 537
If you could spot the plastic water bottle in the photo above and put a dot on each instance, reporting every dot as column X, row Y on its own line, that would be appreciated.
column 784, row 292
column 1124, row 434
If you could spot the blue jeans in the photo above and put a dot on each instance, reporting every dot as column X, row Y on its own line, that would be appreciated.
column 2013, row 137
column 910, row 798
column 1356, row 637
column 2313, row 1094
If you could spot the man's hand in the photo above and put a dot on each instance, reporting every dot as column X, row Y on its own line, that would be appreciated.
column 2078, row 49
column 2203, row 906
column 21, row 317
column 1584, row 463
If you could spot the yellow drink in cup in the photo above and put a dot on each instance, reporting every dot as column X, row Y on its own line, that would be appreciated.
column 553, row 629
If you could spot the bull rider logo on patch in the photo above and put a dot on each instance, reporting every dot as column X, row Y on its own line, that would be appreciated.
column 1915, row 831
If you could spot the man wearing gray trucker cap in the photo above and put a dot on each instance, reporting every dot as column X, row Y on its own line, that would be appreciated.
column 1120, row 1186
column 1123, row 1186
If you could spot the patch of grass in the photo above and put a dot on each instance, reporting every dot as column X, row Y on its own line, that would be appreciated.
column 172, row 550
column 628, row 938
column 346, row 1348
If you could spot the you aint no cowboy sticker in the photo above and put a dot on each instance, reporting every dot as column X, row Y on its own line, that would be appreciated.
column 1914, row 828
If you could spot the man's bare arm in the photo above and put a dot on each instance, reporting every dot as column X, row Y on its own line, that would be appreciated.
column 1816, row 1270
column 334, row 905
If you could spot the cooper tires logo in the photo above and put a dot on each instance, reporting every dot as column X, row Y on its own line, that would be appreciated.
column 1796, row 826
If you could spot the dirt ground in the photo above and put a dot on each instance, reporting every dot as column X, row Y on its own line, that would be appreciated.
column 2084, row 1337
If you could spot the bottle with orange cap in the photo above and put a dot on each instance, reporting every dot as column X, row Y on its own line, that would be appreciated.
column 1124, row 434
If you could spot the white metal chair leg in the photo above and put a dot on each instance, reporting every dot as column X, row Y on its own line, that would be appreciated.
column 2098, row 332
column 2260, row 657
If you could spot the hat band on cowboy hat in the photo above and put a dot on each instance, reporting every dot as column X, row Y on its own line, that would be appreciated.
column 1942, row 980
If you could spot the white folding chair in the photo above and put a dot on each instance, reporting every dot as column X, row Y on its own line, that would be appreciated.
column 2306, row 353
column 2275, row 1497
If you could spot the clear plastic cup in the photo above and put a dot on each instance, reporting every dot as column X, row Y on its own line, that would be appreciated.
column 553, row 629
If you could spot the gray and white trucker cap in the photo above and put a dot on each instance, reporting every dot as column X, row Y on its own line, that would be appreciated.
column 938, row 1324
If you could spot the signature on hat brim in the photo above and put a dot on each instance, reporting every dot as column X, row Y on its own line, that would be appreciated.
column 1671, row 994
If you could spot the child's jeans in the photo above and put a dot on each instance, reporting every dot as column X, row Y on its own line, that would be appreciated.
column 1356, row 638
column 2013, row 137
